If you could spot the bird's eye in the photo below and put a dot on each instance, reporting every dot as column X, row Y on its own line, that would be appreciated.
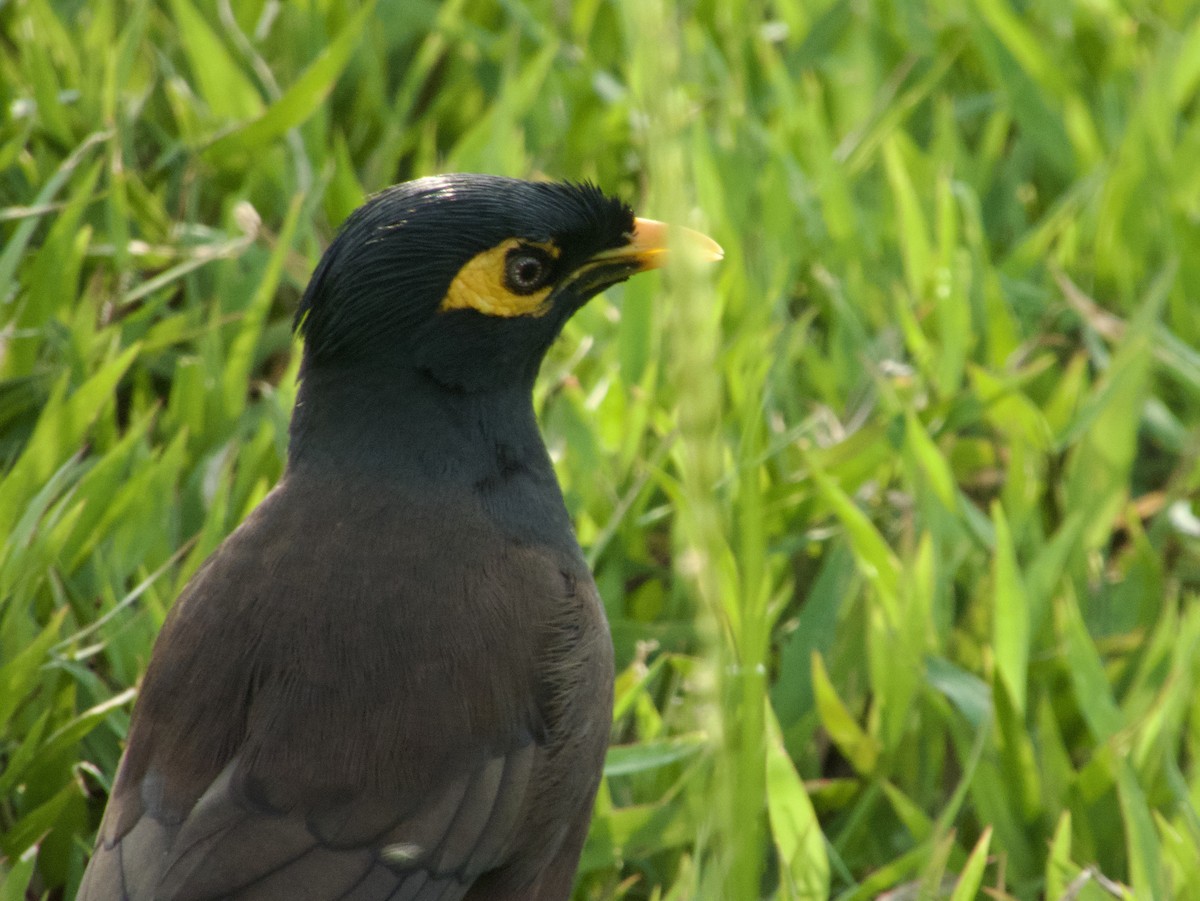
column 527, row 269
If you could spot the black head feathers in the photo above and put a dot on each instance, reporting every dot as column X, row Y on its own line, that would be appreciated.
column 469, row 277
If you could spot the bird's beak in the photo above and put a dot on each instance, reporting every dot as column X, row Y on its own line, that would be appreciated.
column 651, row 242
column 646, row 247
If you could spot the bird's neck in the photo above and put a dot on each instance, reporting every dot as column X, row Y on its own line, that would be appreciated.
column 383, row 423
column 390, row 431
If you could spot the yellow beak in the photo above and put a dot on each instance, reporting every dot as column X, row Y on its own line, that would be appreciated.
column 649, row 245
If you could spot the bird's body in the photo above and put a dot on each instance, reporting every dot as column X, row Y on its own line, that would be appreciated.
column 394, row 680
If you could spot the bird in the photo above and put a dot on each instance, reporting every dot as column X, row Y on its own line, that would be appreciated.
column 393, row 681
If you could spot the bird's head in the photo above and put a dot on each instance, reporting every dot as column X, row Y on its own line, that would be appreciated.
column 469, row 278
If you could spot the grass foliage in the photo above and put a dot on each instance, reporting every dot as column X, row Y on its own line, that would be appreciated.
column 896, row 518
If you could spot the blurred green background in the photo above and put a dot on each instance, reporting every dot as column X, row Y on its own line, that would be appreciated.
column 895, row 518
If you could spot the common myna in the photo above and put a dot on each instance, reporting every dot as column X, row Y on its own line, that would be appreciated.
column 394, row 679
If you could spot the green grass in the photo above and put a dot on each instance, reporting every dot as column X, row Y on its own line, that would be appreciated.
column 896, row 518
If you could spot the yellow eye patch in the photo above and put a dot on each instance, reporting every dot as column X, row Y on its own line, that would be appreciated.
column 480, row 284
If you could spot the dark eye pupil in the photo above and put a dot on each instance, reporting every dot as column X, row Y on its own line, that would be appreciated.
column 526, row 271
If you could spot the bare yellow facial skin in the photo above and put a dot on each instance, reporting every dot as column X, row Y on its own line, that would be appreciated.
column 480, row 286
